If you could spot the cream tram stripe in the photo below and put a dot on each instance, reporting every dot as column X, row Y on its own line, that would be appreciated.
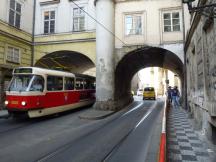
column 53, row 110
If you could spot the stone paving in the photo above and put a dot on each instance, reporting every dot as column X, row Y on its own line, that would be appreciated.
column 183, row 144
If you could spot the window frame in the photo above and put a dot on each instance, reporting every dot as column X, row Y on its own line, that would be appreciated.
column 12, row 60
column 133, row 15
column 81, row 83
column 54, row 90
column 15, row 13
column 80, row 16
column 171, row 21
column 43, row 10
column 65, row 78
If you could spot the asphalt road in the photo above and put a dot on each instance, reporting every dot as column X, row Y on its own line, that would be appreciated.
column 124, row 136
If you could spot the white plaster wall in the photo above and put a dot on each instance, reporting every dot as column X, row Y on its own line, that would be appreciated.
column 152, row 34
column 177, row 48
column 187, row 18
column 64, row 15
column 26, row 17
column 3, row 10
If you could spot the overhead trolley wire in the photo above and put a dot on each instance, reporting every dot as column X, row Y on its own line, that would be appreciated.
column 99, row 23
column 102, row 25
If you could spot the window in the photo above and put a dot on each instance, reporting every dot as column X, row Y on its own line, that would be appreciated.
column 79, row 83
column 37, row 84
column 171, row 22
column 20, row 82
column 54, row 83
column 49, row 22
column 69, row 83
column 78, row 19
column 13, row 55
column 133, row 24
column 15, row 13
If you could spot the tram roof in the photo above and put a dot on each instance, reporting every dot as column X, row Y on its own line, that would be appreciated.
column 37, row 70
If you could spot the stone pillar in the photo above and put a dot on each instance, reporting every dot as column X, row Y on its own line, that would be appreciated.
column 105, row 55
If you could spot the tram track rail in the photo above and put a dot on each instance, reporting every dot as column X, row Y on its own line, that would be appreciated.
column 63, row 148
column 25, row 124
column 6, row 119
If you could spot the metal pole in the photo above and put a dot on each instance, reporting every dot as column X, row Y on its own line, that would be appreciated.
column 185, row 63
column 33, row 33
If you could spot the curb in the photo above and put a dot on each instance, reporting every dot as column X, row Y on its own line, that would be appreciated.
column 162, row 153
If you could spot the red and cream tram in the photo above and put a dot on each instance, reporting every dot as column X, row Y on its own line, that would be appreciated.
column 39, row 92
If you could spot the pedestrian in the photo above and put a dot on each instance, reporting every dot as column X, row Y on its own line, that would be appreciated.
column 175, row 97
column 169, row 94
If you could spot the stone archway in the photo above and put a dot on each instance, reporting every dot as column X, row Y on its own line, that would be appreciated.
column 137, row 59
column 66, row 60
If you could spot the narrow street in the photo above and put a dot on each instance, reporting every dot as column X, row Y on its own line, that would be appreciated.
column 127, row 135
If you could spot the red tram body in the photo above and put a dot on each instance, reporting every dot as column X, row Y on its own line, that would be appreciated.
column 39, row 92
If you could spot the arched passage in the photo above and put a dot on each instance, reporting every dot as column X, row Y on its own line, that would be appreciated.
column 140, row 58
column 67, row 60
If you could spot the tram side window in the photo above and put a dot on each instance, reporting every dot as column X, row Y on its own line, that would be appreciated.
column 37, row 84
column 69, row 83
column 79, row 83
column 93, row 85
column 54, row 83
column 87, row 84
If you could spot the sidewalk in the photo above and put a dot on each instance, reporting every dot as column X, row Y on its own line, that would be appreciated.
column 183, row 143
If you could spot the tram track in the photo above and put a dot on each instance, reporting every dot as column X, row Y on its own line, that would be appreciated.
column 59, row 150
column 26, row 122
column 68, row 145
column 24, row 125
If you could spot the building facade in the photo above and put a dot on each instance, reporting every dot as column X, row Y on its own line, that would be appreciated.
column 153, row 23
column 65, row 29
column 16, row 17
column 64, row 26
column 201, row 70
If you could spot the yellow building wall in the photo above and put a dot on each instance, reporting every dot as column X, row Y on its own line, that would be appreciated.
column 15, row 32
column 83, row 43
column 25, row 51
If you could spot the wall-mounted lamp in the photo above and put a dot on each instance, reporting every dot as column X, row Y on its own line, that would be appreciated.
column 206, row 10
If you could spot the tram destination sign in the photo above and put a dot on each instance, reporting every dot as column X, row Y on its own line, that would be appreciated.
column 23, row 70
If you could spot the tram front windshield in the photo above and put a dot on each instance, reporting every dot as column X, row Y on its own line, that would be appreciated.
column 26, row 83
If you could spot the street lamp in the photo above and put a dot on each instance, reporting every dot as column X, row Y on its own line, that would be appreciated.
column 206, row 10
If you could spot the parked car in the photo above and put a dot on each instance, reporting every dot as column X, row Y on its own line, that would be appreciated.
column 139, row 92
column 149, row 93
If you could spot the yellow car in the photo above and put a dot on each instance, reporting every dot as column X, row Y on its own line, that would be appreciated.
column 149, row 93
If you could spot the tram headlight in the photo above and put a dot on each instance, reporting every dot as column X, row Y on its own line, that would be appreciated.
column 6, row 102
column 23, row 103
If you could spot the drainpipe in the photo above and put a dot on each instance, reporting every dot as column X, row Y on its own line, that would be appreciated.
column 33, row 33
column 185, row 62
